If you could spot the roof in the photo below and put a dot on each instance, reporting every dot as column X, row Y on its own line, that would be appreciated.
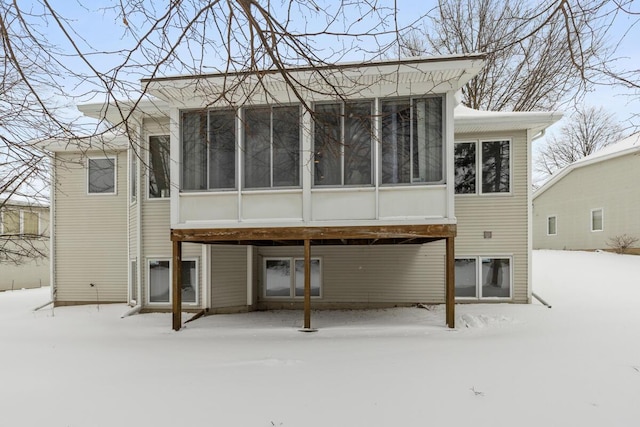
column 325, row 82
column 629, row 145
column 22, row 200
column 468, row 120
column 107, row 141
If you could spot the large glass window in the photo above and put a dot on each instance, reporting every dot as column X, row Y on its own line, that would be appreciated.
column 342, row 144
column 491, row 163
column 483, row 277
column 160, row 281
column 272, row 147
column 284, row 277
column 412, row 141
column 101, row 175
column 597, row 223
column 208, row 150
column 159, row 158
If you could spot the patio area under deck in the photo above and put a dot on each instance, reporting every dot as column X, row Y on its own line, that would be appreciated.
column 308, row 236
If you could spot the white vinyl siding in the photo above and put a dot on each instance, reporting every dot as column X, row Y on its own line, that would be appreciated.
column 228, row 276
column 503, row 215
column 375, row 274
column 91, row 234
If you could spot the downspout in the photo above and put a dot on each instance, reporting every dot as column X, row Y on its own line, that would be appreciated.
column 52, row 230
column 530, row 211
column 52, row 216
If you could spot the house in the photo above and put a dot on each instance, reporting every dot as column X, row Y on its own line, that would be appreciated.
column 24, row 242
column 338, row 190
column 590, row 201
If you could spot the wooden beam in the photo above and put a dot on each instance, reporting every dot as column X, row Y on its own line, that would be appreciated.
column 177, row 285
column 307, row 284
column 450, row 283
column 283, row 234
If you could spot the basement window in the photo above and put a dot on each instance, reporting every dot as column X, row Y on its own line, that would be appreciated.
column 483, row 277
column 284, row 278
column 159, row 281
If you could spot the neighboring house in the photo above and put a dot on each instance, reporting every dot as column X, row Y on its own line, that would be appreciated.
column 24, row 241
column 592, row 200
column 270, row 205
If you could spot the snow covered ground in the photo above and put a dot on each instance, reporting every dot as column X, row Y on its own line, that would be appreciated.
column 577, row 364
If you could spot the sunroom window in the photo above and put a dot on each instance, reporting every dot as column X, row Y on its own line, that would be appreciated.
column 412, row 141
column 483, row 277
column 208, row 150
column 271, row 147
column 342, row 144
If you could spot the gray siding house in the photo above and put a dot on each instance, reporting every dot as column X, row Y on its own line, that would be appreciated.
column 299, row 200
column 590, row 201
column 24, row 243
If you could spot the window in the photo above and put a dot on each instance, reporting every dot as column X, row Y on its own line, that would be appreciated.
column 159, row 180
column 342, row 144
column 483, row 277
column 284, row 277
column 102, row 176
column 494, row 167
column 271, row 147
column 30, row 223
column 160, row 281
column 412, row 141
column 552, row 226
column 597, row 221
column 208, row 150
column 133, row 175
column 465, row 167
column 10, row 222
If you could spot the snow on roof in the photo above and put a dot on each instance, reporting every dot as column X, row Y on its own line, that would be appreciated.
column 23, row 200
column 628, row 145
column 471, row 120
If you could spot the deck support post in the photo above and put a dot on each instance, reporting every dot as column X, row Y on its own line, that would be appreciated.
column 307, row 284
column 177, row 285
column 450, row 282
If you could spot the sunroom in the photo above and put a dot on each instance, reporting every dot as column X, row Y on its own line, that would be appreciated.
column 365, row 159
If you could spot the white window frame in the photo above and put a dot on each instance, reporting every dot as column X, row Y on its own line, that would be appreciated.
column 478, row 259
column 479, row 160
column 115, row 175
column 602, row 220
column 2, row 219
column 148, row 168
column 555, row 225
column 378, row 135
column 170, row 302
column 292, row 284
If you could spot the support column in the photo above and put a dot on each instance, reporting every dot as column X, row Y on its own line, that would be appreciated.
column 177, row 285
column 450, row 295
column 307, row 284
